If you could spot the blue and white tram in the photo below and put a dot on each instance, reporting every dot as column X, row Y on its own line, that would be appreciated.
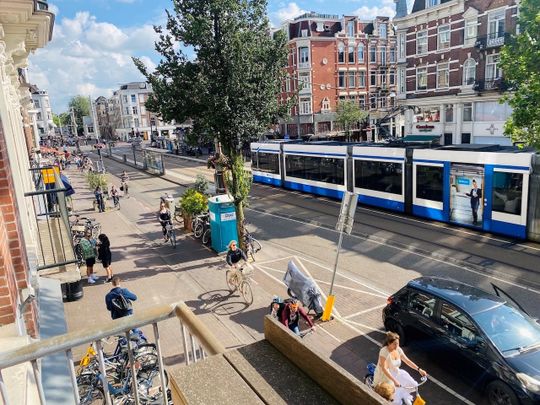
column 317, row 168
column 265, row 163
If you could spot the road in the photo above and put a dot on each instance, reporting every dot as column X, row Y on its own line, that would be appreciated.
column 383, row 253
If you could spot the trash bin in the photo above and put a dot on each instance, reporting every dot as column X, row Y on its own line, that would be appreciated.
column 222, row 221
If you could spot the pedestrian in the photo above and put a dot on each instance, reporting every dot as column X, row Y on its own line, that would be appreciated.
column 105, row 255
column 291, row 315
column 115, row 304
column 124, row 178
column 99, row 199
column 476, row 195
column 88, row 247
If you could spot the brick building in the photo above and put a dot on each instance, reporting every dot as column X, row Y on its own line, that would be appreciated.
column 333, row 59
column 449, row 81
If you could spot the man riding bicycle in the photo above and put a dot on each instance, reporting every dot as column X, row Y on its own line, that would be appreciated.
column 165, row 218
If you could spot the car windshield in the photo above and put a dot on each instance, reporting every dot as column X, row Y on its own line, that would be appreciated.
column 508, row 328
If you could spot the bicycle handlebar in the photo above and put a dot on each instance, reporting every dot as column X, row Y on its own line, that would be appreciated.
column 423, row 380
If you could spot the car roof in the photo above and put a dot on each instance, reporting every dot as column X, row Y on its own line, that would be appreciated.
column 471, row 299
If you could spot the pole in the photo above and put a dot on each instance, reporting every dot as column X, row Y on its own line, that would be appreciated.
column 331, row 297
column 336, row 262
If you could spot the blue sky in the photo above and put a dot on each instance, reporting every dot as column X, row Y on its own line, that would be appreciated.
column 94, row 40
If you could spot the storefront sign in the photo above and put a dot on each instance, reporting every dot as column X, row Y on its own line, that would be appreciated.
column 228, row 216
column 425, row 128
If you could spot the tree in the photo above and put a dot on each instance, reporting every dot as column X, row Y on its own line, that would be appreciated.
column 349, row 113
column 81, row 108
column 520, row 61
column 230, row 90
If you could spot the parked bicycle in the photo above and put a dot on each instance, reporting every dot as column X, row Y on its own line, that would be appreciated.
column 199, row 224
column 251, row 244
column 238, row 278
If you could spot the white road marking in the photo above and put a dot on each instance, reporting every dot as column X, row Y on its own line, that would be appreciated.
column 276, row 260
column 364, row 311
column 533, row 290
column 381, row 331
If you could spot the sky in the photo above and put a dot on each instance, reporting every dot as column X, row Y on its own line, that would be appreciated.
column 94, row 40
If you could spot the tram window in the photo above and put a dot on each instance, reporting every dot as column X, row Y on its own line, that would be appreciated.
column 378, row 176
column 507, row 192
column 327, row 170
column 429, row 182
column 268, row 162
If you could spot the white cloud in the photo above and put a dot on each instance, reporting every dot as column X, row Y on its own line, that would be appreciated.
column 286, row 12
column 387, row 8
column 90, row 57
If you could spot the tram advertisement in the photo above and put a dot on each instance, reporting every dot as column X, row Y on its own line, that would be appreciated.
column 466, row 194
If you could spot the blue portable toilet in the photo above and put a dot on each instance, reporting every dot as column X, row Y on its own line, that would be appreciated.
column 222, row 221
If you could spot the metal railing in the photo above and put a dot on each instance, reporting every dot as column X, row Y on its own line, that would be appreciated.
column 54, row 234
column 491, row 84
column 198, row 343
column 492, row 40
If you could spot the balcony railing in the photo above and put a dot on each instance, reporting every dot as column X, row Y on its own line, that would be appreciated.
column 492, row 40
column 198, row 342
column 498, row 84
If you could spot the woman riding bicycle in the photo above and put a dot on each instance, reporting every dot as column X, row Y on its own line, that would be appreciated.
column 165, row 218
column 234, row 255
column 388, row 369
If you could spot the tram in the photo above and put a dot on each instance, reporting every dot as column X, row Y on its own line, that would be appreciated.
column 486, row 187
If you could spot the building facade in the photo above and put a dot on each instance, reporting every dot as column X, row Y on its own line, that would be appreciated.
column 449, row 79
column 41, row 113
column 332, row 59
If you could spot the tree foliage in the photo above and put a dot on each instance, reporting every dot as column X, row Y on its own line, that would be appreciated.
column 348, row 114
column 81, row 107
column 520, row 61
column 230, row 88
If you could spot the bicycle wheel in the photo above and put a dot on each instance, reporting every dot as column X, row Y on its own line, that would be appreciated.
column 207, row 237
column 172, row 238
column 178, row 217
column 91, row 395
column 198, row 230
column 245, row 290
column 230, row 276
column 149, row 383
column 255, row 245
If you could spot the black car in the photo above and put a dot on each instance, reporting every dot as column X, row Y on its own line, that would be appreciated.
column 487, row 339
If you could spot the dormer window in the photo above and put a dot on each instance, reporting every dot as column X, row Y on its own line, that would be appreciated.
column 432, row 3
column 382, row 31
column 350, row 29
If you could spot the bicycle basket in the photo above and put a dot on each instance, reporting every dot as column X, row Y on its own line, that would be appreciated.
column 247, row 270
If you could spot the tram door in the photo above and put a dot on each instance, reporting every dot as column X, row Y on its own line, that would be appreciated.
column 467, row 194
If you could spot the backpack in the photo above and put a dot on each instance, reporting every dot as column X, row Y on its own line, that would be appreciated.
column 282, row 304
column 121, row 303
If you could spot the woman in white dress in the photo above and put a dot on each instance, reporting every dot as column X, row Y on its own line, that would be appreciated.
column 388, row 369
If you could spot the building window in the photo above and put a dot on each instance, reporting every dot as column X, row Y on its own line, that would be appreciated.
column 341, row 53
column 490, row 111
column 469, row 72
column 48, row 115
column 288, row 83
column 443, row 37
column 373, row 78
column 421, row 78
column 36, row 103
column 133, row 98
column 304, row 81
column 402, row 49
column 125, row 99
column 496, row 24
column 362, row 78
column 382, row 31
column 46, row 102
column 383, row 79
column 465, row 138
column 305, row 105
column 402, row 83
column 136, row 122
column 492, row 67
column 360, row 53
column 127, row 110
column 432, row 3
column 134, row 110
column 449, row 112
column 351, row 54
column 427, row 114
column 392, row 55
column 362, row 101
column 442, row 75
column 350, row 28
column 471, row 27
column 38, row 116
column 352, row 80
column 421, row 42
column 303, row 56
column 341, row 80
column 467, row 112
column 373, row 101
column 325, row 105
column 382, row 51
column 372, row 54
column 392, row 78
column 382, row 102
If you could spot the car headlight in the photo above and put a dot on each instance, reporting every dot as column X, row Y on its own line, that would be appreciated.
column 529, row 383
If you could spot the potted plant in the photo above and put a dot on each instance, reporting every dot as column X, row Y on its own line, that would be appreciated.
column 193, row 203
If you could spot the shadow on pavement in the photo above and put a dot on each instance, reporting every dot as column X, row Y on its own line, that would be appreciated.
column 252, row 319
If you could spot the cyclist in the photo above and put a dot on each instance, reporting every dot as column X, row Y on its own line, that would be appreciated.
column 124, row 178
column 115, row 195
column 234, row 255
column 165, row 218
column 291, row 315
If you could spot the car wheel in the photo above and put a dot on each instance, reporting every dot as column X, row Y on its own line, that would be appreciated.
column 394, row 326
column 499, row 393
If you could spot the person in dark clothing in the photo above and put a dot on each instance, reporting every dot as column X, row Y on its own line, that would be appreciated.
column 105, row 255
column 291, row 315
column 98, row 193
column 234, row 255
column 115, row 292
column 165, row 218
column 476, row 195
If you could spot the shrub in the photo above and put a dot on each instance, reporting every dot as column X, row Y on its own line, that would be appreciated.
column 201, row 184
column 193, row 202
column 96, row 179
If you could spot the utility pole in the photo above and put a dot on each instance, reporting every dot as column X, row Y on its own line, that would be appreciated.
column 94, row 118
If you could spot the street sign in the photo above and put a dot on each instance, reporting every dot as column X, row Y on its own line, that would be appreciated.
column 346, row 213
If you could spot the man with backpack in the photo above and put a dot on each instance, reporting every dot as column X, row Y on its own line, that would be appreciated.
column 118, row 300
column 88, row 251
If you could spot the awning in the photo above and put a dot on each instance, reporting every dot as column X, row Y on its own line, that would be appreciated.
column 420, row 138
